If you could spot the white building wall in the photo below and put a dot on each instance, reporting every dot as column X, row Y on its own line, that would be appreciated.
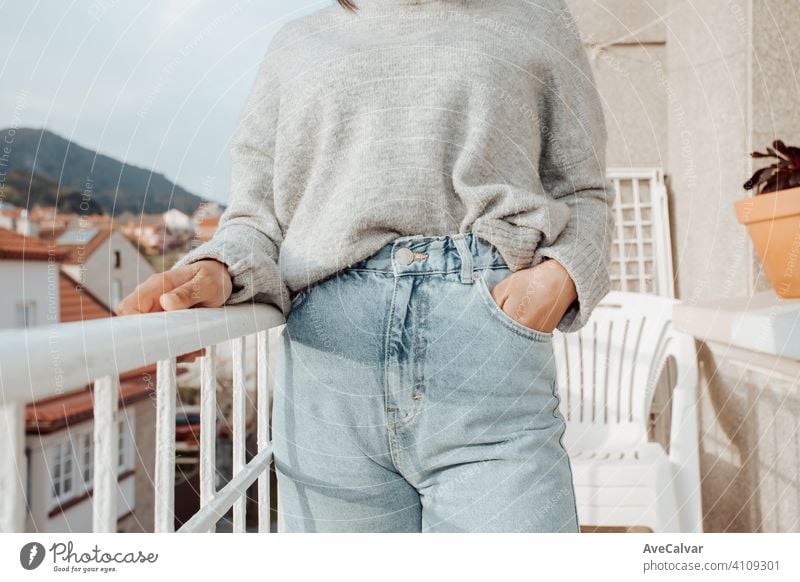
column 628, row 41
column 31, row 282
column 41, row 460
column 100, row 272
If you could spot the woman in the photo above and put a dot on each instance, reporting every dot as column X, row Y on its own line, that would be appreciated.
column 420, row 187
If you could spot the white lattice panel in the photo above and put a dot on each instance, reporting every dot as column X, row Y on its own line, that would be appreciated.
column 641, row 256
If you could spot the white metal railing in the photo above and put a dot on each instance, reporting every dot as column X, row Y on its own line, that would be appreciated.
column 44, row 361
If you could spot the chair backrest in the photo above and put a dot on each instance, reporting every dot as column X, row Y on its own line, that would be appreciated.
column 641, row 252
column 607, row 371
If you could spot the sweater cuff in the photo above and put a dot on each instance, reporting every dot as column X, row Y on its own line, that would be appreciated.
column 254, row 273
column 587, row 267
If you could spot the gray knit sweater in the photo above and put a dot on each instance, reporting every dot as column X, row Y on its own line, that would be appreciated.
column 418, row 117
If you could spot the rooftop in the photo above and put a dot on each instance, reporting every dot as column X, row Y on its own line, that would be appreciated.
column 52, row 414
column 17, row 246
column 76, row 303
column 81, row 243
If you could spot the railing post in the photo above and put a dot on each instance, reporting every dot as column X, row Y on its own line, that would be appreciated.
column 166, row 390
column 13, row 468
column 264, row 506
column 239, row 428
column 208, row 427
column 106, row 451
column 120, row 345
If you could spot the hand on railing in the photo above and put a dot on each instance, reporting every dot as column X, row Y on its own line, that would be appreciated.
column 205, row 283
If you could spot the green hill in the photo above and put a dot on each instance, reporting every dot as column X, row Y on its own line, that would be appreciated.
column 51, row 161
column 26, row 191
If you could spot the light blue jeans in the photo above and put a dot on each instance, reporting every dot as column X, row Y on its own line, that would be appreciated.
column 406, row 400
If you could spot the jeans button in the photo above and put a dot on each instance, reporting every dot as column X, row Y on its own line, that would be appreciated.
column 404, row 256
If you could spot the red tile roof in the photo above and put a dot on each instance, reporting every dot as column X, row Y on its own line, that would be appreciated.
column 76, row 303
column 27, row 248
column 57, row 412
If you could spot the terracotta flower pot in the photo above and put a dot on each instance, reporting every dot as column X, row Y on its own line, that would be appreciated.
column 773, row 222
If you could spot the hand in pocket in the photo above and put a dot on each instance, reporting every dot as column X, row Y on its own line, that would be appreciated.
column 536, row 297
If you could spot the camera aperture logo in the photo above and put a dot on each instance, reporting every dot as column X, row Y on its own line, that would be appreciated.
column 66, row 559
column 31, row 555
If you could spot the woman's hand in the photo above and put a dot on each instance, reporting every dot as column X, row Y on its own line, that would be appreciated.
column 537, row 297
column 201, row 284
column 204, row 283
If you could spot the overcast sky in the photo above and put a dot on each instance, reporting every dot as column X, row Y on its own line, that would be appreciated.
column 155, row 83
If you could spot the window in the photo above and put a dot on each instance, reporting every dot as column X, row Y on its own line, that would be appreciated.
column 116, row 292
column 117, row 259
column 88, row 459
column 25, row 315
column 62, row 470
column 127, row 430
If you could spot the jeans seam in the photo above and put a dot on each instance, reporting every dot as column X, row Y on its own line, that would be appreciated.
column 390, row 411
column 553, row 387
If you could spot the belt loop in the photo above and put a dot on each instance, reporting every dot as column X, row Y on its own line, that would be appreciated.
column 466, row 258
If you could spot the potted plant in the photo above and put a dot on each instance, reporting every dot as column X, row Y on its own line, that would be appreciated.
column 772, row 217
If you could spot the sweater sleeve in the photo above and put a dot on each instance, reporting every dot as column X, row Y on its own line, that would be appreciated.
column 249, row 235
column 572, row 170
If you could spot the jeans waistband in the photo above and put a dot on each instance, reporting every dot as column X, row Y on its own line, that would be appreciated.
column 462, row 253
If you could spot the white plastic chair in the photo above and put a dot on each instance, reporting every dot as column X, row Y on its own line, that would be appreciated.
column 606, row 375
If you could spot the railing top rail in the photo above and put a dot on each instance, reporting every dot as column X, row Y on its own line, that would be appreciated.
column 42, row 361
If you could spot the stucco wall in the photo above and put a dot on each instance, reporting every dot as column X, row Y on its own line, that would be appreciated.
column 78, row 517
column 100, row 271
column 28, row 281
column 695, row 95
column 627, row 75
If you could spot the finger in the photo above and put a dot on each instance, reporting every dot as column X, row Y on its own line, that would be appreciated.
column 141, row 300
column 500, row 292
column 145, row 298
column 200, row 290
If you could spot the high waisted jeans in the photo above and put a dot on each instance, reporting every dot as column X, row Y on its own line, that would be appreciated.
column 407, row 400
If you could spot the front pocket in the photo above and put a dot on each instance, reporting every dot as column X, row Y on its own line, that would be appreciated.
column 497, row 312
column 299, row 297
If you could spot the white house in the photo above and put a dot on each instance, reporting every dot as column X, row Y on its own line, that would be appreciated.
column 28, row 281
column 60, row 452
column 103, row 261
column 59, row 444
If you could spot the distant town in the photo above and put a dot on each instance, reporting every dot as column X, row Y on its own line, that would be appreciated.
column 62, row 267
